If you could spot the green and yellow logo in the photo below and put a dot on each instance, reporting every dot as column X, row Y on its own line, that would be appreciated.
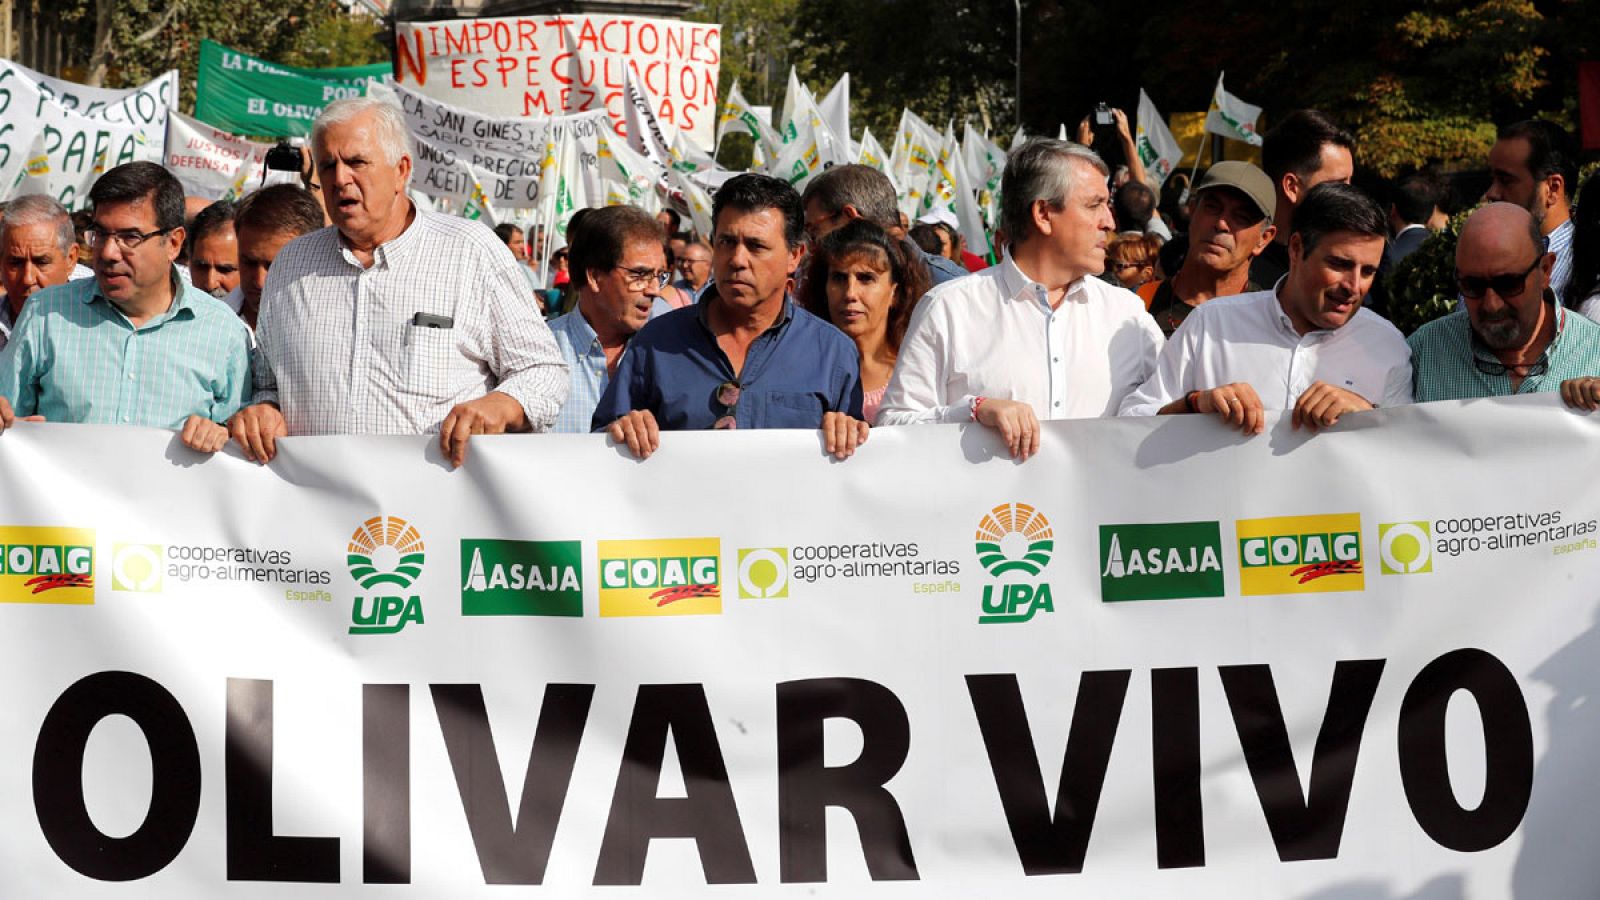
column 1014, row 539
column 1300, row 554
column 521, row 578
column 46, row 565
column 1405, row 548
column 137, row 567
column 671, row 577
column 764, row 573
column 385, row 550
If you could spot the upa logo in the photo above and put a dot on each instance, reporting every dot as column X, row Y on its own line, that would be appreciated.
column 763, row 573
column 46, row 565
column 1405, row 548
column 1014, row 539
column 385, row 553
column 1172, row 561
column 521, row 578
column 672, row 577
column 1300, row 554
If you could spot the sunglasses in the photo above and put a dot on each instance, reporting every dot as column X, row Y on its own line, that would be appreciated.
column 727, row 397
column 1473, row 287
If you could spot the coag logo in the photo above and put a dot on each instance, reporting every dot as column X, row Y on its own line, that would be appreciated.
column 1014, row 539
column 385, row 550
column 521, row 578
column 763, row 573
column 137, row 567
column 1161, row 562
column 673, row 577
column 1405, row 548
column 1300, row 554
column 46, row 565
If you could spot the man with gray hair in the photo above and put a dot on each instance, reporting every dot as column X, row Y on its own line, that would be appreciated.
column 38, row 249
column 1037, row 336
column 844, row 193
column 396, row 320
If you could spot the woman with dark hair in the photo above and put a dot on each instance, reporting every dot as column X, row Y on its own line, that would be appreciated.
column 866, row 283
column 1583, row 287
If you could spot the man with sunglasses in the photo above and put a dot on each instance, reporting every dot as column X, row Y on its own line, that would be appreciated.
column 135, row 345
column 1513, row 337
column 745, row 355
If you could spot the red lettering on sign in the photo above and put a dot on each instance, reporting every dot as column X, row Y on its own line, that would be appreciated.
column 418, row 65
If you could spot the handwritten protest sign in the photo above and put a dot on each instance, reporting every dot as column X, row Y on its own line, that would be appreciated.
column 211, row 162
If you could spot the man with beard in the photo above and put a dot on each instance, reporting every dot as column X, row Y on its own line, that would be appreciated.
column 1534, row 165
column 1307, row 345
column 1513, row 337
column 1231, row 225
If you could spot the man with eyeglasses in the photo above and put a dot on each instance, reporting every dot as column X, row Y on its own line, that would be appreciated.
column 1513, row 337
column 694, row 267
column 135, row 345
column 1307, row 345
column 619, row 270
column 746, row 355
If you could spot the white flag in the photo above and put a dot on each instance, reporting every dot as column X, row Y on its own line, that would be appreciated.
column 871, row 152
column 645, row 132
column 694, row 197
column 627, row 178
column 835, row 110
column 686, row 157
column 739, row 115
column 1231, row 117
column 1158, row 149
column 1018, row 138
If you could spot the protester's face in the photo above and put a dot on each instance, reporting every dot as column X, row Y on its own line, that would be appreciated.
column 1510, row 179
column 1325, row 287
column 364, row 192
column 820, row 223
column 860, row 294
column 694, row 264
column 1334, row 163
column 518, row 246
column 752, row 260
column 214, row 262
column 1131, row 274
column 1081, row 228
column 133, row 275
column 258, row 247
column 1504, row 322
column 1226, row 230
column 31, row 259
column 619, row 301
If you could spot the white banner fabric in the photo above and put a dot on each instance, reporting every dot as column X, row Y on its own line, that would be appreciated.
column 211, row 162
column 1158, row 659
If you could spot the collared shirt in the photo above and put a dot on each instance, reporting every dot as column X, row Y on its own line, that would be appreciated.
column 74, row 357
column 1443, row 353
column 1249, row 338
column 6, row 322
column 794, row 372
column 994, row 335
column 586, row 371
column 941, row 269
column 341, row 350
column 1559, row 242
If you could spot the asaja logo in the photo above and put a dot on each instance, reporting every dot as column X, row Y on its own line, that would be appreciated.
column 1300, row 554
column 385, row 551
column 46, row 565
column 1405, row 548
column 1014, row 539
column 137, row 567
column 673, row 577
column 1171, row 561
column 763, row 573
column 521, row 578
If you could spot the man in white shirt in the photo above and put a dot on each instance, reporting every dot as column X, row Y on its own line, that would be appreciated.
column 1037, row 335
column 1306, row 345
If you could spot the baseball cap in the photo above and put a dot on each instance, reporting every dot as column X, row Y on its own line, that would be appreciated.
column 1244, row 178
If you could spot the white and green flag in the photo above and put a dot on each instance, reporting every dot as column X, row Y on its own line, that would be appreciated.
column 1158, row 149
column 739, row 115
column 1231, row 117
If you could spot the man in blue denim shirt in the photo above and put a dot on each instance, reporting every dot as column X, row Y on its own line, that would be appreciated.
column 745, row 355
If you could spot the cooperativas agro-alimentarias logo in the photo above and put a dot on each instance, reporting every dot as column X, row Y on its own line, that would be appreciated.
column 1014, row 539
column 385, row 551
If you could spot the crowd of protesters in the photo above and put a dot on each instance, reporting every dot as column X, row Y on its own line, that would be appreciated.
column 342, row 306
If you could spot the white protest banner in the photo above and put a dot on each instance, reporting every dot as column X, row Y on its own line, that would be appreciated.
column 211, row 162
column 1158, row 149
column 1156, row 660
column 1231, row 117
column 549, row 65
column 144, row 106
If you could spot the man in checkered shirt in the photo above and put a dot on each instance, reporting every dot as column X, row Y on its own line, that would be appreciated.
column 395, row 320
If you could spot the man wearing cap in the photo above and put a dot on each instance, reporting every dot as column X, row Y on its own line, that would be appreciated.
column 1513, row 337
column 1306, row 345
column 1231, row 225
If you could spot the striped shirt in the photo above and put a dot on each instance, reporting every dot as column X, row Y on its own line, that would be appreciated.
column 1559, row 242
column 74, row 357
column 586, row 371
column 441, row 317
column 1443, row 357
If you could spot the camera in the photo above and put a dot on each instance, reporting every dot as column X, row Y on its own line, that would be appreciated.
column 1102, row 114
column 285, row 157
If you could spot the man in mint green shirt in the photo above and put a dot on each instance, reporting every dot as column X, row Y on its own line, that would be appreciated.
column 135, row 345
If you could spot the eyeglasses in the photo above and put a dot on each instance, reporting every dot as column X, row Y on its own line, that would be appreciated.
column 640, row 279
column 94, row 235
column 686, row 262
column 1119, row 266
column 1508, row 287
column 1484, row 360
column 727, row 397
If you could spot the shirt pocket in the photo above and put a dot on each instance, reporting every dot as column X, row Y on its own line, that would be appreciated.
column 794, row 409
column 427, row 355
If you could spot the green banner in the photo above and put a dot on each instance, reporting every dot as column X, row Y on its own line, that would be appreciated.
column 250, row 96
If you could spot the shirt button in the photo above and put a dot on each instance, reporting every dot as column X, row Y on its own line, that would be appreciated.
column 1055, row 359
column 124, row 418
column 130, row 376
column 1058, row 404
